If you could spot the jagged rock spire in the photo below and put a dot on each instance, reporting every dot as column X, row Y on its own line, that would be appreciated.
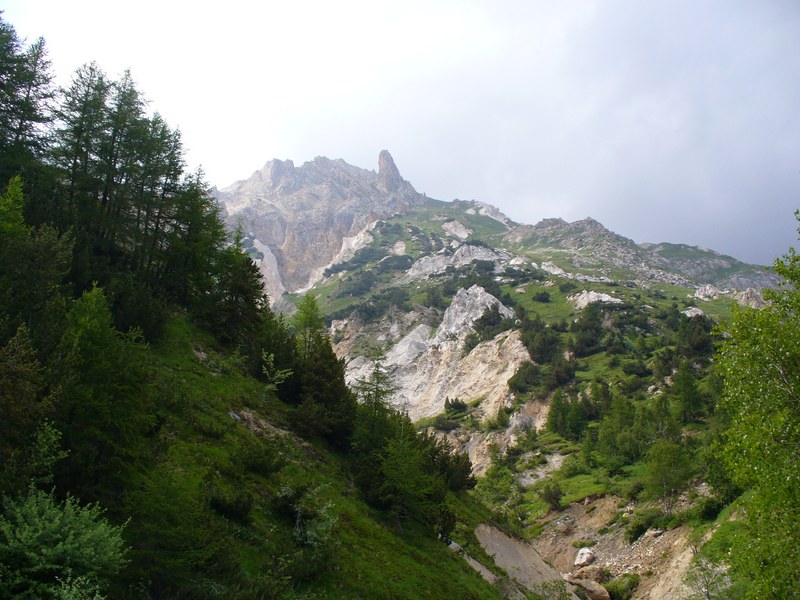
column 388, row 174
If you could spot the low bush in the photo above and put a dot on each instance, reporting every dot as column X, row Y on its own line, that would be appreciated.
column 623, row 587
column 641, row 522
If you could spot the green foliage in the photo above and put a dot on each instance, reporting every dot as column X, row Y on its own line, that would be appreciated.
column 32, row 462
column 623, row 587
column 327, row 406
column 103, row 410
column 642, row 520
column 758, row 361
column 542, row 296
column 42, row 541
column 21, row 391
column 527, row 377
column 687, row 394
column 587, row 331
column 552, row 494
column 668, row 468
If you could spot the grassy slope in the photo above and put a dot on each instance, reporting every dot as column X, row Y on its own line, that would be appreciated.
column 198, row 449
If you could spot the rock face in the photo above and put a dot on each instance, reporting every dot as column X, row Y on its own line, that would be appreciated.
column 457, row 230
column 305, row 215
column 426, row 368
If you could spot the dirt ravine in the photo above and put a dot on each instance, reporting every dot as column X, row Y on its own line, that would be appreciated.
column 660, row 558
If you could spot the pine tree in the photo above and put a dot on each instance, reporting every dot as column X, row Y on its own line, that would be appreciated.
column 103, row 410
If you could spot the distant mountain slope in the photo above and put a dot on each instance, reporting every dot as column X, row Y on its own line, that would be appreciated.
column 588, row 245
column 299, row 221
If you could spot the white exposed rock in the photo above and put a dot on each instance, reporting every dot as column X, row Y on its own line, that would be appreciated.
column 487, row 210
column 303, row 213
column 585, row 298
column 268, row 267
column 520, row 560
column 350, row 245
column 466, row 307
column 584, row 557
column 437, row 263
column 441, row 371
column 750, row 297
column 552, row 269
column 398, row 248
column 410, row 347
column 457, row 229
column 425, row 370
column 707, row 292
column 693, row 311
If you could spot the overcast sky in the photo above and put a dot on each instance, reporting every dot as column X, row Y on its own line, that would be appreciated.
column 669, row 121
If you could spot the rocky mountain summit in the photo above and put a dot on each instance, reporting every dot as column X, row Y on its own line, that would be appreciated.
column 298, row 220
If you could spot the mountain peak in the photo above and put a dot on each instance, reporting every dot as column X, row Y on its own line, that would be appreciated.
column 388, row 174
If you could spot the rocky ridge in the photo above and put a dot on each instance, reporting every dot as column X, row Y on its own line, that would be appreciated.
column 300, row 218
column 587, row 244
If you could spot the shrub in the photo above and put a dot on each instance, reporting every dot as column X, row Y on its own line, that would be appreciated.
column 47, row 547
column 622, row 587
column 642, row 520
column 442, row 423
column 541, row 297
column 454, row 405
column 552, row 494
column 233, row 504
column 259, row 457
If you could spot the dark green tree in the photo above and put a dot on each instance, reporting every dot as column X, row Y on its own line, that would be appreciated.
column 103, row 408
column 327, row 406
column 410, row 487
column 25, row 94
column 308, row 324
column 49, row 548
column 21, row 394
column 667, row 469
column 688, row 396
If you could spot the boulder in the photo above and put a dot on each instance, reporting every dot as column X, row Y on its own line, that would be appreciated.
column 592, row 589
column 584, row 557
column 591, row 572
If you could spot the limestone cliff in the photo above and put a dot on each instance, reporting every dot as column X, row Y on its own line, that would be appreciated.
column 427, row 368
column 303, row 218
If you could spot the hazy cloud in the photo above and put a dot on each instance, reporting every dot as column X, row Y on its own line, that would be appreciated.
column 665, row 121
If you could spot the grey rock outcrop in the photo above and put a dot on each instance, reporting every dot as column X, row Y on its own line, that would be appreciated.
column 585, row 298
column 591, row 589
